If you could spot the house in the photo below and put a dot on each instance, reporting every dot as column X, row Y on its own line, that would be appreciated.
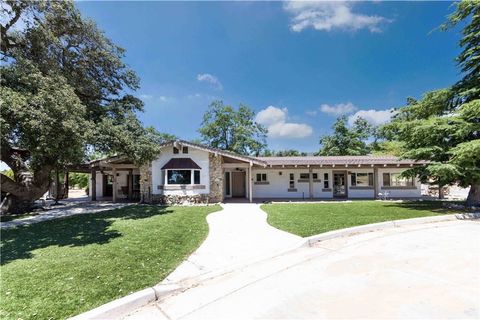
column 186, row 172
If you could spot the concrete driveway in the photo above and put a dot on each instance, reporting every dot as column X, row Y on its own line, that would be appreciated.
column 237, row 234
column 421, row 271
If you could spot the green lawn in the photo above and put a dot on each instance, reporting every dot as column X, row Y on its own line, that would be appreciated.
column 59, row 268
column 307, row 219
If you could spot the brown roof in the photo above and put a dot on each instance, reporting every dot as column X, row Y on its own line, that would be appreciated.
column 225, row 153
column 181, row 163
column 337, row 160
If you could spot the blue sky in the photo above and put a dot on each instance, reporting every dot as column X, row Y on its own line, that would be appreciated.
column 298, row 65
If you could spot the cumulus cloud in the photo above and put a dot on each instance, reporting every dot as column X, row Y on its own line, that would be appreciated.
column 375, row 117
column 338, row 109
column 275, row 119
column 210, row 79
column 327, row 16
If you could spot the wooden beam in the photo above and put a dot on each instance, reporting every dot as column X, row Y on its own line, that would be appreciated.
column 130, row 183
column 250, row 183
column 114, row 186
column 93, row 179
column 310, row 182
column 375, row 183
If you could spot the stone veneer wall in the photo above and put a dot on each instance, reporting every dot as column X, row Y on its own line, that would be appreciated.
column 146, row 183
column 216, row 186
column 216, row 177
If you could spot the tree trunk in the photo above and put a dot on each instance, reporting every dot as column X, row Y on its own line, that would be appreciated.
column 473, row 199
column 15, row 205
column 23, row 191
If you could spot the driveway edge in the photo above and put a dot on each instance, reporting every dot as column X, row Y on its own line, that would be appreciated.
column 380, row 226
column 123, row 306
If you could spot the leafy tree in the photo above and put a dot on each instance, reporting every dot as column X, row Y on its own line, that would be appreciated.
column 346, row 141
column 234, row 130
column 65, row 93
column 79, row 180
column 444, row 126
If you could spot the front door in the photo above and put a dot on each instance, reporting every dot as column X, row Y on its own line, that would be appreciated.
column 339, row 185
column 238, row 184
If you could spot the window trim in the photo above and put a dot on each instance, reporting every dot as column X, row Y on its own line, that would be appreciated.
column 263, row 177
column 354, row 179
column 326, row 181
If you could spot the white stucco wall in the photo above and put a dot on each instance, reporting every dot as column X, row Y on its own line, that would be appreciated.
column 200, row 157
column 279, row 184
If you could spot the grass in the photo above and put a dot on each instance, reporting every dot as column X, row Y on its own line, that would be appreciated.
column 60, row 268
column 307, row 219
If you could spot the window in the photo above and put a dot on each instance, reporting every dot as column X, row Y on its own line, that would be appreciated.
column 175, row 150
column 179, row 176
column 315, row 176
column 304, row 176
column 196, row 177
column 386, row 179
column 261, row 177
column 185, row 150
column 292, row 181
column 362, row 179
column 396, row 180
column 325, row 180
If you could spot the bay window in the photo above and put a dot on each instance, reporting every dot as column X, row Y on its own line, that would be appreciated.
column 183, row 176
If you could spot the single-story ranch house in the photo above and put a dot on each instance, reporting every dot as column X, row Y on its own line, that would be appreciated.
column 186, row 172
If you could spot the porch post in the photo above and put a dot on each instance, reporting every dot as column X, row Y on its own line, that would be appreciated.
column 66, row 186
column 310, row 182
column 375, row 182
column 130, row 183
column 93, row 191
column 250, row 187
column 114, row 194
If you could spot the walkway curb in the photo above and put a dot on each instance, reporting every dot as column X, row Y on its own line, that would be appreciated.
column 123, row 306
column 379, row 226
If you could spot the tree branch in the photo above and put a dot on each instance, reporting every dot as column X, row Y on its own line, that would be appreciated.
column 10, row 186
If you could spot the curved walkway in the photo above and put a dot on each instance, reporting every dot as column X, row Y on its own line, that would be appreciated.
column 237, row 234
column 69, row 208
column 426, row 271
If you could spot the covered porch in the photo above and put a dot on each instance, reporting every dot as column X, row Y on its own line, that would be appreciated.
column 115, row 179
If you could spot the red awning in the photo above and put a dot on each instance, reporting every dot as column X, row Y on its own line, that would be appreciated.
column 181, row 163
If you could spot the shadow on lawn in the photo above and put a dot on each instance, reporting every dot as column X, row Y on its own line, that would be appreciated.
column 80, row 230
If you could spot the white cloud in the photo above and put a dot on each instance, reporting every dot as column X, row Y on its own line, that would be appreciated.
column 326, row 16
column 338, row 109
column 146, row 96
column 375, row 117
column 211, row 79
column 163, row 98
column 275, row 120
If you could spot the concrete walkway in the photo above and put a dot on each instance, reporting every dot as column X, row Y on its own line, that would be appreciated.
column 237, row 234
column 423, row 271
column 69, row 208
